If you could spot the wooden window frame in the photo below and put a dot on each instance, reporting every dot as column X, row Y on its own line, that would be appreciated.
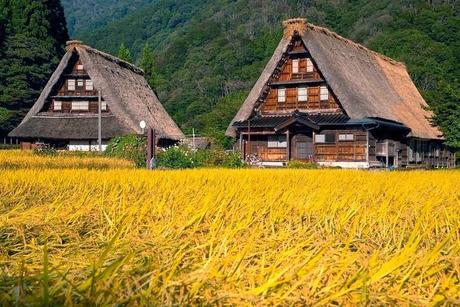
column 280, row 140
column 74, row 105
column 89, row 83
column 282, row 98
column 322, row 94
column 304, row 95
column 71, row 85
column 57, row 103
column 347, row 137
column 325, row 136
column 297, row 70
column 104, row 106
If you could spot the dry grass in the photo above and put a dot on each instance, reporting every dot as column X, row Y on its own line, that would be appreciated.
column 224, row 237
column 16, row 159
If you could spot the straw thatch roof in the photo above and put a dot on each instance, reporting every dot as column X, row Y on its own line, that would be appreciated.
column 366, row 83
column 123, row 87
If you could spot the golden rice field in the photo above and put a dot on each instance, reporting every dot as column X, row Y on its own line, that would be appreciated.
column 227, row 237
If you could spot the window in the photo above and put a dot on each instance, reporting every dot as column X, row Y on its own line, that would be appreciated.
column 71, row 85
column 325, row 138
column 80, row 82
column 103, row 106
column 309, row 65
column 346, row 137
column 79, row 67
column 80, row 105
column 277, row 141
column 295, row 66
column 281, row 95
column 302, row 93
column 323, row 93
column 57, row 105
column 89, row 85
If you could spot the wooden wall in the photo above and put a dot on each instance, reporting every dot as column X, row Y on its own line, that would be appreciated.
column 292, row 103
column 343, row 151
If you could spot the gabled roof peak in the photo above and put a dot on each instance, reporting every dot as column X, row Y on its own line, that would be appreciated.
column 294, row 25
column 76, row 44
column 69, row 45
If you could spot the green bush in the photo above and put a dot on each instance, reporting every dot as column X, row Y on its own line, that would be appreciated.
column 302, row 165
column 180, row 157
column 176, row 157
column 130, row 147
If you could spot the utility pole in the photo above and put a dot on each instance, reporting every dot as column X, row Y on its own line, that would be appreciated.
column 99, row 121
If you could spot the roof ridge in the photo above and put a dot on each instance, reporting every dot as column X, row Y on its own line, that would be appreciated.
column 335, row 35
column 79, row 44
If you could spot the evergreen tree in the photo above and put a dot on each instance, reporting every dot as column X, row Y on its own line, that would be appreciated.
column 124, row 53
column 32, row 39
column 147, row 63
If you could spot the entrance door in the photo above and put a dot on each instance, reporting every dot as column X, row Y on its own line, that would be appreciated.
column 303, row 147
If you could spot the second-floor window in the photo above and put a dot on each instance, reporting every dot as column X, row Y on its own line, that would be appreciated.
column 89, row 85
column 295, row 66
column 309, row 65
column 103, row 106
column 71, row 85
column 80, row 82
column 57, row 105
column 281, row 95
column 302, row 94
column 80, row 105
column 323, row 93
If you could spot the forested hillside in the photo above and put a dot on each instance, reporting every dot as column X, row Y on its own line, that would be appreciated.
column 203, row 56
column 87, row 15
column 207, row 54
column 32, row 39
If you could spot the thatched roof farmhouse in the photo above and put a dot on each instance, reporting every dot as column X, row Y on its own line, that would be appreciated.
column 66, row 112
column 323, row 97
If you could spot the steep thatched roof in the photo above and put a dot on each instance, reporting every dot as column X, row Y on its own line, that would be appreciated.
column 366, row 83
column 123, row 87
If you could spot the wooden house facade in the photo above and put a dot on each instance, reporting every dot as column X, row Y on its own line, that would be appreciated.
column 326, row 99
column 66, row 114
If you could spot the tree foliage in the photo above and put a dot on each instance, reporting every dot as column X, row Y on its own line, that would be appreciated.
column 125, row 54
column 32, row 36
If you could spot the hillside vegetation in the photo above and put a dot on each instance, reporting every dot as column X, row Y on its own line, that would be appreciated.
column 204, row 56
column 227, row 237
column 32, row 38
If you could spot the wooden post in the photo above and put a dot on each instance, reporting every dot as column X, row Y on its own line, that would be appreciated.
column 241, row 146
column 150, row 147
column 99, row 121
column 249, row 137
column 288, row 143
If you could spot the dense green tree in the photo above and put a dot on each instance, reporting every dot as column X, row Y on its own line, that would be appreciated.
column 124, row 53
column 32, row 40
column 147, row 63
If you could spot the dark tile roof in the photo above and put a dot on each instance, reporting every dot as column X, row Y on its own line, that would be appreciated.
column 320, row 120
column 274, row 121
